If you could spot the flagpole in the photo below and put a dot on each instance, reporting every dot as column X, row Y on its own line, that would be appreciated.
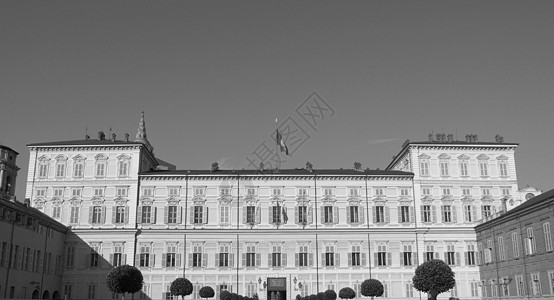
column 276, row 142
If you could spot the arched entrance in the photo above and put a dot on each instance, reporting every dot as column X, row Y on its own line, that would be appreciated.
column 46, row 295
column 56, row 295
column 36, row 295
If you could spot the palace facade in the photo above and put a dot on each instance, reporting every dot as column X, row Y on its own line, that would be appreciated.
column 285, row 231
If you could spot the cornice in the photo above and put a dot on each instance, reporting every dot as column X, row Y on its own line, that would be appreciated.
column 275, row 177
column 83, row 148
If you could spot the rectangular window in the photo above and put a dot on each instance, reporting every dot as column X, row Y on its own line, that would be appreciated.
column 251, row 214
column 225, row 191
column 470, row 256
column 535, row 283
column 486, row 211
column 483, row 168
column 404, row 192
column 144, row 255
column 474, row 289
column 198, row 214
column 251, row 192
column 450, row 258
column 303, row 256
column 91, row 291
column 520, row 287
column 224, row 214
column 58, row 192
column 426, row 213
column 276, row 214
column 379, row 214
column 123, row 167
column 328, row 214
column 446, row 192
column 468, row 213
column 409, row 289
column 353, row 192
column 426, row 191
column 98, row 192
column 69, row 255
column 76, row 192
column 430, row 252
column 43, row 170
column 303, row 214
column 329, row 256
column 404, row 214
column 276, row 256
column 197, row 256
column 501, row 248
column 547, row 236
column 171, row 255
column 379, row 192
column 94, row 256
column 486, row 191
column 40, row 192
column 466, row 192
column 120, row 214
column 121, row 191
column 199, row 191
column 60, row 169
column 464, row 168
column 74, row 215
column 148, row 192
column 251, row 256
column 78, row 169
column 424, row 168
column 444, row 168
column 551, row 280
column 224, row 255
column 446, row 213
column 56, row 212
column 172, row 214
column 355, row 256
column 117, row 255
column 381, row 255
column 97, row 214
column 303, row 192
column 276, row 192
column 531, row 246
column 406, row 259
column 173, row 191
column 100, row 169
column 515, row 244
column 354, row 217
column 503, row 168
column 328, row 192
column 146, row 214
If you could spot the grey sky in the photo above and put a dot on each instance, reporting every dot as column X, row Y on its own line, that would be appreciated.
column 213, row 76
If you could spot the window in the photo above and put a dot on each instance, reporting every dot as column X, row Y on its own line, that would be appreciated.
column 94, row 256
column 60, row 168
column 199, row 191
column 275, row 256
column 483, row 168
column 56, row 212
column 531, row 246
column 547, row 236
column 78, row 168
column 430, row 252
column 276, row 192
column 123, row 167
column 355, row 256
column 276, row 214
column 551, row 280
column 447, row 214
column 474, row 289
column 173, row 191
column 251, row 191
column 197, row 255
column 535, row 284
column 117, row 259
column 328, row 192
column 99, row 192
column 379, row 192
column 121, row 191
column 381, row 255
column 198, row 214
column 468, row 213
column 450, row 258
column 303, row 192
column 224, row 213
column 147, row 192
column 97, row 214
column 250, row 289
column 329, row 256
column 144, row 255
column 501, row 248
column 76, row 192
column 43, row 169
column 426, row 191
column 146, row 215
column 100, row 168
column 470, row 255
column 404, row 214
column 486, row 192
column 251, row 214
column 40, row 193
column 486, row 211
column 353, row 192
column 91, row 291
column 409, row 289
column 67, row 291
column 466, row 192
column 328, row 214
column 406, row 255
column 404, row 192
column 515, row 244
column 464, row 168
column 172, row 214
column 444, row 168
column 250, row 256
column 170, row 257
column 74, row 215
column 222, row 258
column 302, row 214
column 446, row 192
column 503, row 168
column 520, row 287
column 303, row 256
column 120, row 215
column 225, row 191
column 424, row 168
column 379, row 214
column 426, row 214
column 353, row 214
column 58, row 192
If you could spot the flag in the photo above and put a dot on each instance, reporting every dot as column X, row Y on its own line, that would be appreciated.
column 280, row 142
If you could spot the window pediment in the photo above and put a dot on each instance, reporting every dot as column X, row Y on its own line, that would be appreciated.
column 502, row 157
column 79, row 157
column 61, row 157
column 380, row 198
column 482, row 157
column 424, row 156
column 444, row 156
column 101, row 157
column 96, row 201
column 44, row 158
column 120, row 201
column 124, row 157
column 463, row 157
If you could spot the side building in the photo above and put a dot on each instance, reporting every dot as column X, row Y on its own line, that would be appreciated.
column 516, row 251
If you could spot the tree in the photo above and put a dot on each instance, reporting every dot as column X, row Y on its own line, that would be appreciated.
column 347, row 293
column 225, row 295
column 372, row 288
column 357, row 166
column 181, row 287
column 433, row 277
column 330, row 295
column 206, row 292
column 124, row 279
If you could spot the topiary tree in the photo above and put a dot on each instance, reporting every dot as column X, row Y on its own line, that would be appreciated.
column 347, row 293
column 330, row 295
column 372, row 288
column 225, row 295
column 206, row 292
column 433, row 277
column 181, row 287
column 124, row 279
column 298, row 297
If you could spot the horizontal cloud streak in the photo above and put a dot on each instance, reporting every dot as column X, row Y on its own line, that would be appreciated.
column 382, row 141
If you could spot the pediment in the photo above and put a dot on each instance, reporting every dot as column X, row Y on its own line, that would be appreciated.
column 463, row 157
column 424, row 156
column 444, row 156
column 482, row 157
column 502, row 157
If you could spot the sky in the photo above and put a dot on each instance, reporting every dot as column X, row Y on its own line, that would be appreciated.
column 213, row 76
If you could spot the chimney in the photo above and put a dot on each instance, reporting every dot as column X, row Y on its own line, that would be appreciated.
column 499, row 138
column 87, row 137
column 113, row 137
column 475, row 138
column 450, row 138
column 126, row 137
column 468, row 138
column 309, row 166
column 101, row 135
column 430, row 137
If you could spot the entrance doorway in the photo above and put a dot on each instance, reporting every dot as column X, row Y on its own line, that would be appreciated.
column 277, row 288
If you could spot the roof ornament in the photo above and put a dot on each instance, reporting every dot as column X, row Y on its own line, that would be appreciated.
column 141, row 134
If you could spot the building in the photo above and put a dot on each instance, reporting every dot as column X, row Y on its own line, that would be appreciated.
column 31, row 243
column 288, row 231
column 516, row 251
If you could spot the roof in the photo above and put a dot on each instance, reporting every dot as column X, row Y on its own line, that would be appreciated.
column 525, row 205
column 9, row 149
column 89, row 142
column 340, row 172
